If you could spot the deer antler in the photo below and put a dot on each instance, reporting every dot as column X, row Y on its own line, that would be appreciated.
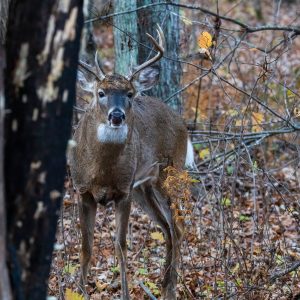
column 88, row 68
column 99, row 74
column 159, row 47
column 99, row 70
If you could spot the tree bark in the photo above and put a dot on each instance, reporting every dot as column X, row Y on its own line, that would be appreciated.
column 3, row 19
column 170, row 71
column 5, row 291
column 88, row 47
column 125, row 27
column 42, row 53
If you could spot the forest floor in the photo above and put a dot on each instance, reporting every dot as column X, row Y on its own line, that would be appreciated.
column 242, row 265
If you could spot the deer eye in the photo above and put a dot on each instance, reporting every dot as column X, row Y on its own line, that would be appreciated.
column 101, row 94
column 130, row 94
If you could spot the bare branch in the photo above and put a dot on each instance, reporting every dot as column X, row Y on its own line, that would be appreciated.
column 244, row 26
column 281, row 273
column 147, row 291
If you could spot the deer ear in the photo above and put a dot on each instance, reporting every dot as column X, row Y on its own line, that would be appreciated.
column 83, row 83
column 84, row 87
column 146, row 79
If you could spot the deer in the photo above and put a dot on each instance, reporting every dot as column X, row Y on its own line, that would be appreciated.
column 122, row 143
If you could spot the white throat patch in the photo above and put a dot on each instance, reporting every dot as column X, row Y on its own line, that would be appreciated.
column 107, row 134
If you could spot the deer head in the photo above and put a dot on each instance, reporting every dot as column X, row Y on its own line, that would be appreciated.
column 113, row 94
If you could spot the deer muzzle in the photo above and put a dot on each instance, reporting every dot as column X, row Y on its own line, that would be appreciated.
column 116, row 117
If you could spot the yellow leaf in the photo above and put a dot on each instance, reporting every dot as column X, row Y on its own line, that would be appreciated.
column 257, row 117
column 157, row 236
column 70, row 295
column 205, row 153
column 238, row 123
column 101, row 286
column 290, row 94
column 205, row 40
column 235, row 268
column 232, row 112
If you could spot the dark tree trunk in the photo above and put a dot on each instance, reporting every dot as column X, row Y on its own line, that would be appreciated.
column 170, row 71
column 42, row 53
column 5, row 292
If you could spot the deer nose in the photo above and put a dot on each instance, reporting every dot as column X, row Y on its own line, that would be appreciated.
column 116, row 117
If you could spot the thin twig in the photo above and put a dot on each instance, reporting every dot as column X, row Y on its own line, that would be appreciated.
column 147, row 291
column 281, row 273
column 244, row 26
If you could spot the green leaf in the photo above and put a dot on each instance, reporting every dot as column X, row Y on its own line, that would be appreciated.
column 197, row 147
column 238, row 282
column 244, row 218
column 70, row 269
column 255, row 167
column 226, row 202
column 143, row 271
column 115, row 269
column 230, row 170
column 153, row 287
column 279, row 260
column 220, row 283
column 194, row 180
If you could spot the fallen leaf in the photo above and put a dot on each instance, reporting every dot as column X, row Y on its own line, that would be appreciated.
column 70, row 295
column 205, row 153
column 157, row 236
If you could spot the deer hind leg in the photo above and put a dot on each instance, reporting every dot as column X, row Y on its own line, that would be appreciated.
column 173, row 250
column 122, row 216
column 87, row 214
column 151, row 199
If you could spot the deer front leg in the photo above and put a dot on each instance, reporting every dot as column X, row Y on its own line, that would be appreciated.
column 87, row 213
column 122, row 216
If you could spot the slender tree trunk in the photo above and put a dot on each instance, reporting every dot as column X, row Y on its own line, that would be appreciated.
column 170, row 71
column 88, row 48
column 42, row 53
column 125, row 27
column 3, row 19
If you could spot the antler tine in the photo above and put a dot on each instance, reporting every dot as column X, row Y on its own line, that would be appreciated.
column 88, row 68
column 161, row 37
column 101, row 75
column 159, row 47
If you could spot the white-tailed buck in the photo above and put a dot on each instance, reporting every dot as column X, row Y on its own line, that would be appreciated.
column 122, row 144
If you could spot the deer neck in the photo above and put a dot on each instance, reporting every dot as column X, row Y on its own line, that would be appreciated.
column 105, row 142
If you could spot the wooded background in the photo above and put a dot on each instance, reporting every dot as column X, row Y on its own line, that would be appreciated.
column 241, row 105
